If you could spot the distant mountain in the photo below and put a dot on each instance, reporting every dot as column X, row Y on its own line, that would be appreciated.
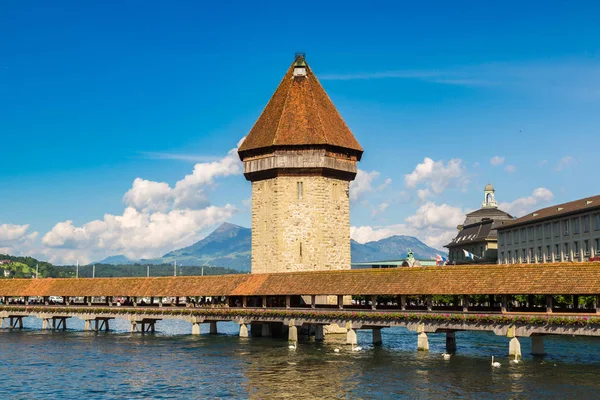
column 116, row 260
column 229, row 246
column 392, row 248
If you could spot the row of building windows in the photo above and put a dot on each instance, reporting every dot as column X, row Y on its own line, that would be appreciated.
column 557, row 252
column 549, row 230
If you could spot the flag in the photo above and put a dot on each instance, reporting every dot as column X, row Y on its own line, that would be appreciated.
column 470, row 255
column 439, row 260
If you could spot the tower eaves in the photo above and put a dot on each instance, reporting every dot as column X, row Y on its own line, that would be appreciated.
column 300, row 114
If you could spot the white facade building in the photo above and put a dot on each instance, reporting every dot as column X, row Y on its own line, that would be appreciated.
column 568, row 232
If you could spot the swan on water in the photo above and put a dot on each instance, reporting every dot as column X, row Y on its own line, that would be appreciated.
column 356, row 348
column 495, row 364
column 446, row 356
column 515, row 361
column 336, row 350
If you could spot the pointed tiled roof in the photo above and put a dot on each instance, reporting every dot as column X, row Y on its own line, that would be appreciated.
column 300, row 114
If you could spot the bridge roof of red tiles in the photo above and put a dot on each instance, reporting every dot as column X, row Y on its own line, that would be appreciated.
column 573, row 278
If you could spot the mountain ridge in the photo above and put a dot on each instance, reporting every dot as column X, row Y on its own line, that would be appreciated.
column 229, row 246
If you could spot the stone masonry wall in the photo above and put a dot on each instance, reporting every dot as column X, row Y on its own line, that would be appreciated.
column 300, row 234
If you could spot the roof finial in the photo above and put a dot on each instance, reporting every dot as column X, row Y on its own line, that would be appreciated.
column 300, row 65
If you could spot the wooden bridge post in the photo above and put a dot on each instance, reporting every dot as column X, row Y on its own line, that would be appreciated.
column 598, row 304
column 373, row 302
column 264, row 302
column 465, row 303
column 244, row 301
column 549, row 303
column 377, row 340
column 537, row 345
column 213, row 328
column 26, row 300
column 288, row 301
column 319, row 333
column 340, row 302
column 450, row 342
column 503, row 307
column 265, row 329
column 429, row 302
column 313, row 301
column 403, row 302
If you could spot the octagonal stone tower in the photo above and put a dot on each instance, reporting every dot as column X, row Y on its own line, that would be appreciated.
column 300, row 157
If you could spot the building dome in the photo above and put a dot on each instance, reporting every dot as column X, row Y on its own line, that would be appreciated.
column 489, row 187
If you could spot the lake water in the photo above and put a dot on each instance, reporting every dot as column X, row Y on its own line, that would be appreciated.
column 174, row 364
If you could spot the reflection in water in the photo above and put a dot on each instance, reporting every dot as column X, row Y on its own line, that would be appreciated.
column 175, row 364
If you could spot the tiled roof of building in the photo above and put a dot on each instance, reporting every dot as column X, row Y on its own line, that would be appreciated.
column 581, row 205
column 573, row 278
column 489, row 213
column 473, row 233
column 300, row 114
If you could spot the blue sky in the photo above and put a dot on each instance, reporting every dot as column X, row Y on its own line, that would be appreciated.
column 94, row 95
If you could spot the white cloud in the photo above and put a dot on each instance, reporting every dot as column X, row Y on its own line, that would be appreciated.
column 157, row 218
column 385, row 184
column 10, row 232
column 433, row 224
column 437, row 175
column 510, row 169
column 135, row 234
column 430, row 215
column 15, row 239
column 149, row 195
column 424, row 194
column 188, row 193
column 362, row 184
column 564, row 162
column 496, row 160
column 379, row 209
column 523, row 205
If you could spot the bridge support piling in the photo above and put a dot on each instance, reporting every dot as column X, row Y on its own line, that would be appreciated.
column 537, row 345
column 293, row 334
column 319, row 333
column 422, row 342
column 213, row 328
column 86, row 325
column 514, row 349
column 351, row 336
column 195, row 328
column 450, row 342
column 377, row 340
column 266, row 329
column 256, row 329
column 243, row 330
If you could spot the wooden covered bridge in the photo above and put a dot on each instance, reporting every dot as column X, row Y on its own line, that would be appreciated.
column 528, row 300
